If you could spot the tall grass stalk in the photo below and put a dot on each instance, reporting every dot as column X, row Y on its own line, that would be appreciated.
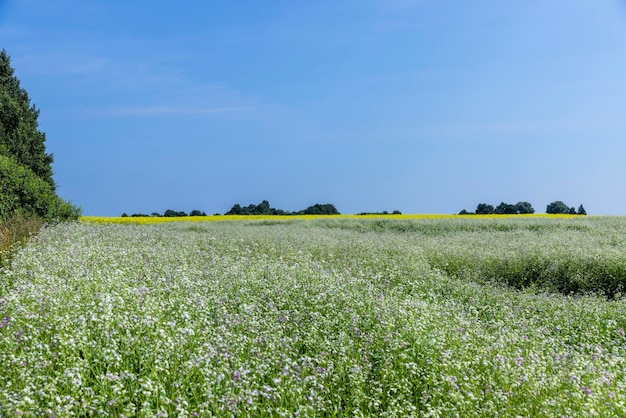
column 14, row 234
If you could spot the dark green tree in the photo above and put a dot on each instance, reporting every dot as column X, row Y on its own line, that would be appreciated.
column 557, row 207
column 197, row 212
column 572, row 210
column 505, row 209
column 321, row 209
column 23, row 192
column 524, row 207
column 172, row 213
column 263, row 208
column 20, row 137
column 581, row 210
column 235, row 210
column 484, row 209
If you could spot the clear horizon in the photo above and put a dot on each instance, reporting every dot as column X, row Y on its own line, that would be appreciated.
column 377, row 105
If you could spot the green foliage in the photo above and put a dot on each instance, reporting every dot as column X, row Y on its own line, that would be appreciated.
column 20, row 137
column 395, row 212
column 484, row 209
column 23, row 192
column 524, row 208
column 505, row 209
column 264, row 208
column 581, row 210
column 321, row 209
column 235, row 210
column 558, row 207
column 502, row 209
column 172, row 213
column 26, row 184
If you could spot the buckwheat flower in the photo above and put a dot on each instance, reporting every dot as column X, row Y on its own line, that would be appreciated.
column 5, row 322
column 586, row 390
column 236, row 375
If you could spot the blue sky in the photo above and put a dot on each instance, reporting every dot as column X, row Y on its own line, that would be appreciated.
column 425, row 106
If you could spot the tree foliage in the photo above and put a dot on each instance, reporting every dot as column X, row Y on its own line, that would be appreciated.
column 26, row 184
column 484, row 209
column 264, row 208
column 524, row 208
column 502, row 209
column 170, row 213
column 23, row 192
column 557, row 208
column 506, row 209
column 321, row 209
column 20, row 137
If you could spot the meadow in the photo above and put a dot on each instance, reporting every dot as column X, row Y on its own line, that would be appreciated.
column 392, row 317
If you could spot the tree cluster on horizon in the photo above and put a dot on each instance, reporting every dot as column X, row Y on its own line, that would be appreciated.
column 559, row 207
column 520, row 208
column 502, row 209
column 169, row 213
column 264, row 208
column 395, row 212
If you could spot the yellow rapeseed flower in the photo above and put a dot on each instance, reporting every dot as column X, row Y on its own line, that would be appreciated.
column 216, row 218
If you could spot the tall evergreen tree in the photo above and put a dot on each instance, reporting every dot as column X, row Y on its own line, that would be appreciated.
column 20, row 137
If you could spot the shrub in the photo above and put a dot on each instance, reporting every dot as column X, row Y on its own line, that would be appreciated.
column 23, row 193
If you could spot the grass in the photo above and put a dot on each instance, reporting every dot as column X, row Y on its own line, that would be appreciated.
column 14, row 234
column 326, row 317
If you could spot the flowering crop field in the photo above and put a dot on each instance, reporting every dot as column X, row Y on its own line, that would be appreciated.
column 323, row 317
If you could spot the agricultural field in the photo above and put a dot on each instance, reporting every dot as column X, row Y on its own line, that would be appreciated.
column 393, row 317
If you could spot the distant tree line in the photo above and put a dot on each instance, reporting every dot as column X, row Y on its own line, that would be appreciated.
column 559, row 207
column 264, row 208
column 167, row 214
column 502, row 209
column 395, row 212
column 521, row 208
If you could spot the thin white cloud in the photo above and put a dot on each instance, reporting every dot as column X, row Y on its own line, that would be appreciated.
column 109, row 112
column 532, row 127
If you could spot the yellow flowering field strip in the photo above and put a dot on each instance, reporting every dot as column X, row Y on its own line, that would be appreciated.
column 216, row 218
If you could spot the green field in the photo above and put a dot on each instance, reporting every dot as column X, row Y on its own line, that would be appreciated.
column 329, row 317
